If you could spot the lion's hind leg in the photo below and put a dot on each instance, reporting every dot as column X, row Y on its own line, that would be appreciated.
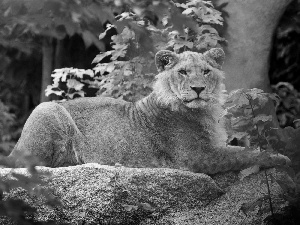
column 51, row 136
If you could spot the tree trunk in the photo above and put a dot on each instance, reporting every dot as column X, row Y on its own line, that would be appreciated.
column 249, row 30
column 58, row 61
column 59, row 54
column 47, row 50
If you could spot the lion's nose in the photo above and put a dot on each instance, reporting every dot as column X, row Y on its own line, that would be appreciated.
column 198, row 90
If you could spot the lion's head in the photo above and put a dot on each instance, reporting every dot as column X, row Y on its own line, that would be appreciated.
column 190, row 79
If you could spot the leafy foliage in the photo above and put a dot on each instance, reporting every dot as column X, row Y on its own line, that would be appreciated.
column 19, row 211
column 243, row 108
column 143, row 30
column 285, row 59
column 22, row 21
column 245, row 117
column 70, row 78
column 288, row 110
column 24, row 25
column 6, row 121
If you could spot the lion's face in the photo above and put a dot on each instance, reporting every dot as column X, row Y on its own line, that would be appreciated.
column 190, row 78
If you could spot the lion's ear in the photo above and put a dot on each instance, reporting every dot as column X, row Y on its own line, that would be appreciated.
column 165, row 59
column 217, row 55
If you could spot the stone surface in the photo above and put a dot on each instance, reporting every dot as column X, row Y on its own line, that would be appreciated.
column 100, row 194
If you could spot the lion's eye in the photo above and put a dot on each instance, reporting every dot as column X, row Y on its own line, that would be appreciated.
column 182, row 71
column 206, row 72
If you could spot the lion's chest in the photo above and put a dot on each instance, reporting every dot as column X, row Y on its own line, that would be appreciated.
column 186, row 137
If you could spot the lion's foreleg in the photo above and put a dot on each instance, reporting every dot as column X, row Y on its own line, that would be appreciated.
column 238, row 158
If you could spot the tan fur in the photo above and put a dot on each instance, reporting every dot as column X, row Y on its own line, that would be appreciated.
column 172, row 127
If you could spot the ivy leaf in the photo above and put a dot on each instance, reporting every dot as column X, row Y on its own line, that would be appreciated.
column 100, row 68
column 75, row 17
column 72, row 83
column 80, row 93
column 108, row 27
column 89, row 72
column 130, row 208
column 188, row 11
column 60, row 74
column 286, row 184
column 50, row 91
column 101, row 56
column 238, row 135
column 110, row 67
column 247, row 172
column 127, row 34
column 255, row 93
column 119, row 51
column 250, row 206
column 288, row 170
column 263, row 118
column 212, row 16
column 238, row 97
column 87, row 37
column 275, row 98
column 146, row 206
column 178, row 20
column 127, row 70
column 241, row 121
column 80, row 72
column 177, row 44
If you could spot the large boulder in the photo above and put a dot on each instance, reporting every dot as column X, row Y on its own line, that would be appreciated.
column 97, row 194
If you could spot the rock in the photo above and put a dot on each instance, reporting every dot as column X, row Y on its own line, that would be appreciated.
column 98, row 194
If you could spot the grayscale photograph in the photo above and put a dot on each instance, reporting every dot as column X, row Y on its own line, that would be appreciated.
column 149, row 112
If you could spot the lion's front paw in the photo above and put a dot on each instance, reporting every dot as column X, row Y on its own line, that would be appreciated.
column 271, row 160
column 282, row 159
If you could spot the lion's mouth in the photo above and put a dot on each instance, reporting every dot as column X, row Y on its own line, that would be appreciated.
column 196, row 99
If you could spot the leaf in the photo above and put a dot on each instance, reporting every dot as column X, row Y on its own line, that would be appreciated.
column 80, row 214
column 60, row 74
column 287, row 169
column 72, row 83
column 146, row 206
column 100, row 68
column 286, row 184
column 249, row 207
column 241, row 121
column 238, row 97
column 238, row 135
column 89, row 72
column 130, row 208
column 50, row 91
column 75, row 17
column 87, row 37
column 80, row 72
column 80, row 93
column 101, row 56
column 108, row 27
column 247, row 172
column 110, row 67
column 263, row 118
column 179, row 44
column 119, row 51
column 127, row 34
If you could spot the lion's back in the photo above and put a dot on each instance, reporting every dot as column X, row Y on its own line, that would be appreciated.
column 97, row 111
column 112, row 134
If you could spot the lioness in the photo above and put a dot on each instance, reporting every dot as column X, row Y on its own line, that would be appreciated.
column 176, row 126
